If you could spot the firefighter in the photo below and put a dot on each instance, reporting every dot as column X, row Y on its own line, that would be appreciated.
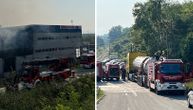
column 123, row 71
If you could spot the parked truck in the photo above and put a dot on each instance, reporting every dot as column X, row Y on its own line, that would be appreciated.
column 159, row 75
column 87, row 60
column 35, row 72
column 112, row 70
column 100, row 71
column 166, row 75
column 129, row 65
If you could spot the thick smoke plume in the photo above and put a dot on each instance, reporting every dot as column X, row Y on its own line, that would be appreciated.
column 15, row 41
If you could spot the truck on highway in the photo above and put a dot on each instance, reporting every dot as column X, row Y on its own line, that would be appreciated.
column 159, row 75
column 129, row 64
column 100, row 71
column 112, row 70
column 166, row 75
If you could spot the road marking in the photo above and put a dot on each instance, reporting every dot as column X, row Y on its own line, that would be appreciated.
column 134, row 93
column 125, row 92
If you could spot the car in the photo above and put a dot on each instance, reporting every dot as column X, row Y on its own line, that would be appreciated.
column 190, row 99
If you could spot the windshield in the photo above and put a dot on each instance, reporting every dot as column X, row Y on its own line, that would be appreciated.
column 170, row 68
column 114, row 71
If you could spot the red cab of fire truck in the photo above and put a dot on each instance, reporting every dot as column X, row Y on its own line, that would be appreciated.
column 100, row 71
column 87, row 60
column 112, row 71
column 166, row 75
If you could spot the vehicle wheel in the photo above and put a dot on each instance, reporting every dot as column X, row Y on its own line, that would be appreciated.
column 157, row 92
column 98, row 79
column 38, row 84
column 189, row 105
column 132, row 78
column 150, row 89
column 128, row 78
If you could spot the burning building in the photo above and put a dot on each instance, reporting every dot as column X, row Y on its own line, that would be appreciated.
column 34, row 42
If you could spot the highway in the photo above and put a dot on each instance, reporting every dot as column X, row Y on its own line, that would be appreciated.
column 128, row 95
column 103, row 55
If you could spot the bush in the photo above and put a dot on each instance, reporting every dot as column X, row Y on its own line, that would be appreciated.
column 56, row 95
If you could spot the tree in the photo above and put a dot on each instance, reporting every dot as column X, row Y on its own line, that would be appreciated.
column 188, row 48
column 157, row 22
column 115, row 32
column 100, row 41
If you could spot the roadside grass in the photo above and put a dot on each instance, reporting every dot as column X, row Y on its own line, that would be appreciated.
column 100, row 93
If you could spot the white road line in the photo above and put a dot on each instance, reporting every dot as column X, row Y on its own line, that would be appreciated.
column 134, row 93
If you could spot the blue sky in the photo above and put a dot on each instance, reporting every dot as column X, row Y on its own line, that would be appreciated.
column 115, row 12
column 21, row 12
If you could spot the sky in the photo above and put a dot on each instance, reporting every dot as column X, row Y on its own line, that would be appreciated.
column 65, row 12
column 115, row 12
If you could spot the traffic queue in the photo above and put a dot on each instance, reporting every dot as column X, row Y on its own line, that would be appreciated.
column 156, row 73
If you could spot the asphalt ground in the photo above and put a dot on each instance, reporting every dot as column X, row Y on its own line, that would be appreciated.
column 120, row 95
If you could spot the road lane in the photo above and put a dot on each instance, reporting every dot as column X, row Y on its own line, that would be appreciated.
column 129, row 96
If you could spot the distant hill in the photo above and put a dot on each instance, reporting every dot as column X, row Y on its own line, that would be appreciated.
column 122, row 45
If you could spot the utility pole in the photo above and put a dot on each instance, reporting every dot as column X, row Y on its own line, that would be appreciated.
column 131, row 47
column 109, row 50
column 109, row 47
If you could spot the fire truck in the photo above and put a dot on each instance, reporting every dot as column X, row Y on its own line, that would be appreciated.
column 35, row 72
column 112, row 70
column 100, row 72
column 158, row 74
column 87, row 60
column 166, row 75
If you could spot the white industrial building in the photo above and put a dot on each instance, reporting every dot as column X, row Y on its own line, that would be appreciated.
column 37, row 42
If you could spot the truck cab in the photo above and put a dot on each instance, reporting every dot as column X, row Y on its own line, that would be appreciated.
column 87, row 60
column 166, row 75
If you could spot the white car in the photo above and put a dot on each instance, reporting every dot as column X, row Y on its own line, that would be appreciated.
column 190, row 99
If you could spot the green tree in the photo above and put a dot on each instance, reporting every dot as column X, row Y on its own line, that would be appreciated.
column 188, row 48
column 115, row 32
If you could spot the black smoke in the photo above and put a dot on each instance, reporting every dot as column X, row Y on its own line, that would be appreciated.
column 15, row 41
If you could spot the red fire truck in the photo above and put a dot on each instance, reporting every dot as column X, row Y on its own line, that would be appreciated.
column 166, row 75
column 158, row 74
column 100, row 72
column 35, row 72
column 112, row 71
column 87, row 60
